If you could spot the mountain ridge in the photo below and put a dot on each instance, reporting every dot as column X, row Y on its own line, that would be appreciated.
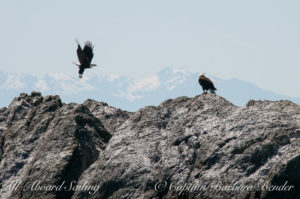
column 130, row 93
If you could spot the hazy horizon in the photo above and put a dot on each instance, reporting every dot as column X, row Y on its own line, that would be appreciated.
column 129, row 93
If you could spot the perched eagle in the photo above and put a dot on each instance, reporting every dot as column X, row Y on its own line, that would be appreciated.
column 85, row 57
column 206, row 84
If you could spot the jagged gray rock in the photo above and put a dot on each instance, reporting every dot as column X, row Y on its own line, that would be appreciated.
column 203, row 143
column 46, row 143
column 112, row 118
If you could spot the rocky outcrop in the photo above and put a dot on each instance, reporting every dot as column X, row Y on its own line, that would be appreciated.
column 112, row 118
column 46, row 142
column 201, row 147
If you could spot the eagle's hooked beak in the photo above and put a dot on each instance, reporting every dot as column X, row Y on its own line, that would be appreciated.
column 93, row 65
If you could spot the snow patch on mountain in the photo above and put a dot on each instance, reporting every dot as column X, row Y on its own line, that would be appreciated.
column 145, row 84
column 129, row 93
column 112, row 78
column 42, row 85
column 13, row 81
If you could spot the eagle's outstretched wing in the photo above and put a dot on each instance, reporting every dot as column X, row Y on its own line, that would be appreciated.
column 81, row 55
column 88, row 52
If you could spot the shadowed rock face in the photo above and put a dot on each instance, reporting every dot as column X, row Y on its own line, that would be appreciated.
column 202, row 143
column 48, row 142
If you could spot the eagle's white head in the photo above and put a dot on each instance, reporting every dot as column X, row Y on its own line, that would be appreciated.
column 202, row 74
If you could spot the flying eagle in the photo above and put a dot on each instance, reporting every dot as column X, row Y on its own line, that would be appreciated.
column 206, row 84
column 85, row 57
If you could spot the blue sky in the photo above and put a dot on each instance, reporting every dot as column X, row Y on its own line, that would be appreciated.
column 256, row 41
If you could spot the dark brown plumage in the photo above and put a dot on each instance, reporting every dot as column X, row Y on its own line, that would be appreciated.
column 206, row 84
column 85, row 57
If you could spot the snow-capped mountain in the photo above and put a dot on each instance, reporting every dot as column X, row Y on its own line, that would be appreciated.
column 129, row 93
